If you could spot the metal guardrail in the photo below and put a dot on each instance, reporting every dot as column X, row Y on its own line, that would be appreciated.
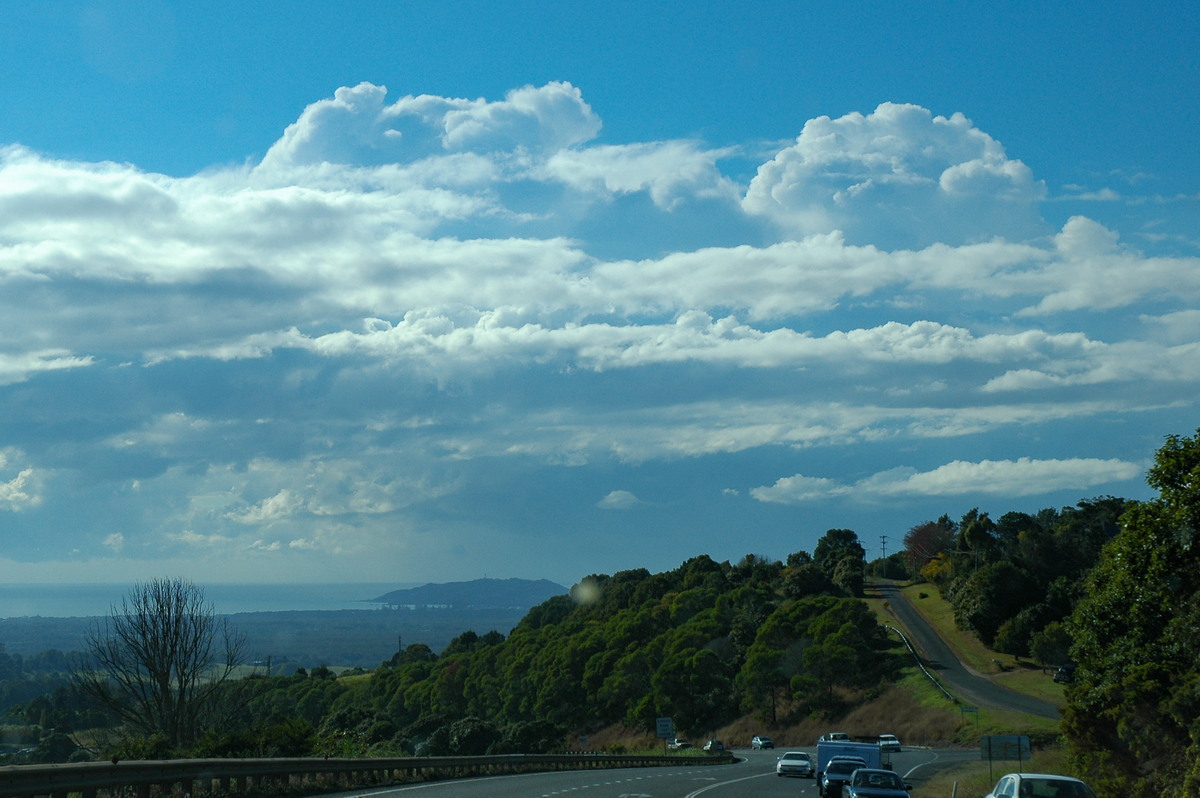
column 917, row 659
column 144, row 778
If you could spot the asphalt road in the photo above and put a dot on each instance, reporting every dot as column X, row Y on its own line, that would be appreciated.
column 751, row 777
column 964, row 684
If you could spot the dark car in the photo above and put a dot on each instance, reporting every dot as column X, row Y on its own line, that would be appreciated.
column 875, row 783
column 1065, row 673
column 837, row 774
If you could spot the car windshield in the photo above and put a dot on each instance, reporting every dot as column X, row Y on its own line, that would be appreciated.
column 1054, row 788
column 878, row 778
column 796, row 756
column 842, row 767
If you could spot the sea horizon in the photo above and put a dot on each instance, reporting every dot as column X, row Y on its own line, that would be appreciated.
column 82, row 600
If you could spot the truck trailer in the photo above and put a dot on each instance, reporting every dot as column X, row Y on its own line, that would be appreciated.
column 868, row 752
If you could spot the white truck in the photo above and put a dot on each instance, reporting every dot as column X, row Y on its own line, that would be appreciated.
column 868, row 752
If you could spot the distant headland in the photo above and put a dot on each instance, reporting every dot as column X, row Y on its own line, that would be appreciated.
column 477, row 594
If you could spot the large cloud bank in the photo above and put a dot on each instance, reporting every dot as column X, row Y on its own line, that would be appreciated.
column 399, row 293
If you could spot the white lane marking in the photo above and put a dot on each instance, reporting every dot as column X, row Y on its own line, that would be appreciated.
column 723, row 783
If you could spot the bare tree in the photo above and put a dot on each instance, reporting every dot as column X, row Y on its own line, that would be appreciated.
column 159, row 660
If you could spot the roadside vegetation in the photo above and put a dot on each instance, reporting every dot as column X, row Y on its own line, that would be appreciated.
column 788, row 648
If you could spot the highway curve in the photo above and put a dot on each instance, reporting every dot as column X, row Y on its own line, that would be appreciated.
column 964, row 684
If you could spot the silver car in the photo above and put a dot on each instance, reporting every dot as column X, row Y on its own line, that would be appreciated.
column 889, row 742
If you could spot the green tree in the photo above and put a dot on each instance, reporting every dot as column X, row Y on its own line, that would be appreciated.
column 976, row 532
column 1051, row 646
column 695, row 687
column 806, row 579
column 989, row 597
column 834, row 545
column 848, row 576
column 1131, row 714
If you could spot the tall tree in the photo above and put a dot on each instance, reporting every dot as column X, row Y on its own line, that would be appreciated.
column 834, row 545
column 1131, row 715
column 159, row 660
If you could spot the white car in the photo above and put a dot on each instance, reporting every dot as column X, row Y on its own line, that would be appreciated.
column 1040, row 785
column 889, row 742
column 795, row 763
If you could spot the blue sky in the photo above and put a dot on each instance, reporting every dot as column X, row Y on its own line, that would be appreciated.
column 435, row 291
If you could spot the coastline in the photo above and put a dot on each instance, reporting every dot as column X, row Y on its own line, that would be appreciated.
column 89, row 600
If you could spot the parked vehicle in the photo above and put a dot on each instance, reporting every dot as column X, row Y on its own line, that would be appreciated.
column 1040, row 785
column 795, row 763
column 759, row 742
column 1065, row 673
column 835, row 776
column 889, row 742
column 873, row 783
column 677, row 744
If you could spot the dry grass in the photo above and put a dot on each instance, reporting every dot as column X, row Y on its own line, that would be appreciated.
column 896, row 711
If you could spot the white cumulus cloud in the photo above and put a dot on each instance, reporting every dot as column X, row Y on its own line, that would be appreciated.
column 898, row 176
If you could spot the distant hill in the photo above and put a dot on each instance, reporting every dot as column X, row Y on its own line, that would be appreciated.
column 478, row 593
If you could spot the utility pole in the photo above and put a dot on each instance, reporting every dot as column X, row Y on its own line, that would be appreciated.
column 883, row 545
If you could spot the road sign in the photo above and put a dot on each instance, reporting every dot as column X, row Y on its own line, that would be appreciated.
column 666, row 727
column 966, row 709
column 1004, row 746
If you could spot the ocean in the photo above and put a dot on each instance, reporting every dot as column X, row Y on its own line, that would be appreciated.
column 90, row 600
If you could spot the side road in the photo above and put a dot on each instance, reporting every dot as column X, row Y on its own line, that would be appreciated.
column 964, row 684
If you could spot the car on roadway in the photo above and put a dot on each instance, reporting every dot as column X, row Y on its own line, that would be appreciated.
column 678, row 744
column 858, row 760
column 760, row 742
column 889, row 742
column 795, row 763
column 833, row 737
column 837, row 775
column 712, row 746
column 1040, row 785
column 875, row 783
